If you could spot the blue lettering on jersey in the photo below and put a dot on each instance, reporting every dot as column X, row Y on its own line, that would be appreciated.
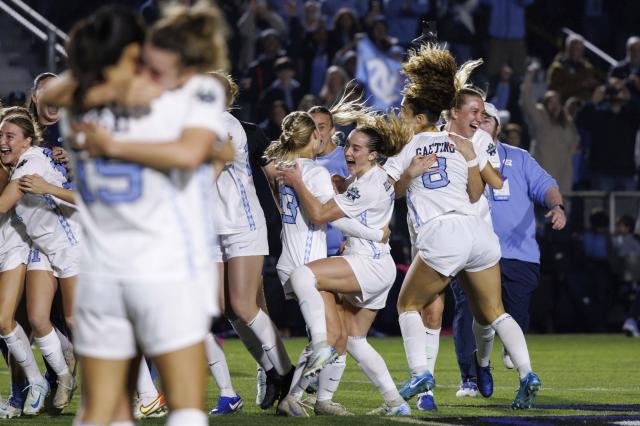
column 130, row 172
column 435, row 148
column 436, row 178
column 288, row 204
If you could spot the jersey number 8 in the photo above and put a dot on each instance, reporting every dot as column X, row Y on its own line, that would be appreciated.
column 129, row 174
column 436, row 178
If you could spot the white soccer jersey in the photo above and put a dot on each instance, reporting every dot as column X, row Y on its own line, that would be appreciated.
column 302, row 241
column 239, row 209
column 50, row 223
column 12, row 239
column 370, row 200
column 140, row 222
column 442, row 189
column 486, row 151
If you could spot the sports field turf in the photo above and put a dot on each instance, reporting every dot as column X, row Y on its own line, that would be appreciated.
column 586, row 379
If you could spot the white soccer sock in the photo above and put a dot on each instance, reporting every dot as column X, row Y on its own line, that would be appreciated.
column 252, row 343
column 266, row 331
column 432, row 346
column 329, row 378
column 298, row 383
column 513, row 340
column 19, row 346
column 52, row 351
column 484, row 335
column 373, row 366
column 145, row 387
column 187, row 416
column 218, row 366
column 415, row 341
column 311, row 303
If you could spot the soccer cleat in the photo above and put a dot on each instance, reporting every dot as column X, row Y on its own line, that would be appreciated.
column 152, row 409
column 330, row 408
column 630, row 328
column 261, row 385
column 64, row 390
column 272, row 389
column 485, row 378
column 526, row 396
column 228, row 405
column 36, row 395
column 318, row 359
column 401, row 409
column 309, row 402
column 8, row 411
column 285, row 383
column 506, row 359
column 417, row 384
column 291, row 407
column 426, row 402
column 468, row 387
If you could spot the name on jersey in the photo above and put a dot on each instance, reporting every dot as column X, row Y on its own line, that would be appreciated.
column 435, row 148
column 353, row 193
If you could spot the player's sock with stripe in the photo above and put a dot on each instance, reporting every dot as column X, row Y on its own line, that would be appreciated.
column 513, row 340
column 145, row 387
column 485, row 335
column 329, row 378
column 414, row 339
column 311, row 303
column 252, row 343
column 218, row 366
column 20, row 348
column 187, row 416
column 374, row 367
column 266, row 331
column 298, row 383
column 52, row 351
column 432, row 347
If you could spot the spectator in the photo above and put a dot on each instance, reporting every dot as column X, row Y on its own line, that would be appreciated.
column 285, row 87
column 335, row 81
column 349, row 62
column 315, row 58
column 513, row 135
column 404, row 18
column 378, row 33
column 571, row 74
column 16, row 98
column 257, row 17
column 555, row 135
column 456, row 26
column 610, row 122
column 261, row 72
column 507, row 32
column 308, row 101
column 342, row 37
column 359, row 8
column 272, row 125
column 630, row 65
column 504, row 92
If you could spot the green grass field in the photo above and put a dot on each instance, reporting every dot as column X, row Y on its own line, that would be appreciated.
column 582, row 375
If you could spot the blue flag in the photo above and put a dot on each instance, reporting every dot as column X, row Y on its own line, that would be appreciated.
column 380, row 75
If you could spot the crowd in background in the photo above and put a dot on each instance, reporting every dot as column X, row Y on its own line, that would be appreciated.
column 577, row 114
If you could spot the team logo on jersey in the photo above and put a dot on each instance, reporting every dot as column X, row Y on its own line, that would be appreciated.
column 508, row 162
column 387, row 185
column 491, row 149
column 206, row 96
column 353, row 193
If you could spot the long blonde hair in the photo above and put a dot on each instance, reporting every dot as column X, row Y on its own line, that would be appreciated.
column 297, row 129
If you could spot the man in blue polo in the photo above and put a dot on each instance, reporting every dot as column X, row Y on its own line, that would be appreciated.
column 512, row 214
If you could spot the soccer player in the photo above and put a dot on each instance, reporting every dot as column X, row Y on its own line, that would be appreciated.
column 363, row 275
column 148, row 278
column 49, row 222
column 451, row 238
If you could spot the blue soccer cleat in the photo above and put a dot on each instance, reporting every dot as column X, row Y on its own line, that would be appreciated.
column 468, row 387
column 529, row 387
column 426, row 402
column 485, row 379
column 417, row 384
column 227, row 405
